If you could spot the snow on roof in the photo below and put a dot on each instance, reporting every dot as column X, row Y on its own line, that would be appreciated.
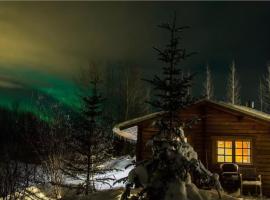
column 245, row 110
column 123, row 129
column 129, row 134
column 126, row 129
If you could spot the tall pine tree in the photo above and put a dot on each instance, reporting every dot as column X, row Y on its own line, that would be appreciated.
column 172, row 88
column 89, row 144
column 167, row 174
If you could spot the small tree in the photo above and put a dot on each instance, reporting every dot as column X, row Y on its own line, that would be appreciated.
column 233, row 87
column 51, row 149
column 208, row 84
column 89, row 143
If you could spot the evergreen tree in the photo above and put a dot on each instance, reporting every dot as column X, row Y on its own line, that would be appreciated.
column 167, row 174
column 89, row 143
column 233, row 87
column 208, row 84
column 172, row 88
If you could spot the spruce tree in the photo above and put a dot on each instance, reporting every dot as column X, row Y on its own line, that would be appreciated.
column 167, row 174
column 171, row 90
column 89, row 144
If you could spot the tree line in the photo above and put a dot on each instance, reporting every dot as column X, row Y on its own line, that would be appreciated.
column 233, row 88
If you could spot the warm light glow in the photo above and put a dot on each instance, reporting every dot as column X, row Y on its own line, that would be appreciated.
column 228, row 151
column 221, row 159
column 228, row 144
column 238, row 151
column 224, row 151
column 228, row 158
column 221, row 144
column 238, row 144
column 242, row 151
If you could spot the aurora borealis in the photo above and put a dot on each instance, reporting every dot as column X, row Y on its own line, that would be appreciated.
column 43, row 45
column 37, row 92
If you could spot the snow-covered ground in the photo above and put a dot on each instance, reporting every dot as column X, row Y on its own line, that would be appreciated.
column 112, row 193
column 120, row 171
column 122, row 166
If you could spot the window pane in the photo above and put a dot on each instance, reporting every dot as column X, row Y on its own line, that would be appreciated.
column 221, row 151
column 246, row 159
column 238, row 144
column 238, row 159
column 220, row 159
column 228, row 144
column 228, row 151
column 246, row 144
column 228, row 158
column 246, row 152
column 220, row 144
column 238, row 152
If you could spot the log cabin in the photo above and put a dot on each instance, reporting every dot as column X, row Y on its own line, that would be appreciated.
column 226, row 133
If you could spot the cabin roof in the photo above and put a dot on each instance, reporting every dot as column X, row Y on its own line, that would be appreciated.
column 123, row 129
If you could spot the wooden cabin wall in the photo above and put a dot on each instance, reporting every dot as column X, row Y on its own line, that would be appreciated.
column 220, row 123
column 217, row 122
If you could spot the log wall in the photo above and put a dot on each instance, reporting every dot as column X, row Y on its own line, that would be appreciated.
column 217, row 122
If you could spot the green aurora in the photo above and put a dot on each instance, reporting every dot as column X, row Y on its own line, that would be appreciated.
column 38, row 92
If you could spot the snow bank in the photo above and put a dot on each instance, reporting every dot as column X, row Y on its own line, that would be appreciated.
column 121, row 166
column 120, row 171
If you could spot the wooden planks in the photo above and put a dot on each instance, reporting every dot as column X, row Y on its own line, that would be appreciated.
column 218, row 123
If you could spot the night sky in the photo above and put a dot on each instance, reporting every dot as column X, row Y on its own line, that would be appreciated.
column 44, row 45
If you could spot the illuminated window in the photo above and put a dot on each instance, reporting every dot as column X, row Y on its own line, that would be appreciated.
column 238, row 151
column 242, row 151
column 224, row 151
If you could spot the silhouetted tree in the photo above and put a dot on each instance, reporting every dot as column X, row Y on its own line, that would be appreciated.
column 127, row 95
column 171, row 90
column 17, row 168
column 208, row 84
column 89, row 142
column 233, row 87
column 261, row 95
column 165, row 175
column 51, row 149
column 126, row 91
column 264, row 91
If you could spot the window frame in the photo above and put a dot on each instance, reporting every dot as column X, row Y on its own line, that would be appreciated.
column 242, row 148
column 233, row 139
column 224, row 148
